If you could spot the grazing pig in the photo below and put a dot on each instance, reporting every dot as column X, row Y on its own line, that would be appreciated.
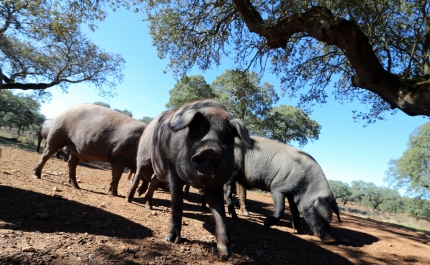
column 192, row 145
column 93, row 132
column 286, row 172
column 42, row 133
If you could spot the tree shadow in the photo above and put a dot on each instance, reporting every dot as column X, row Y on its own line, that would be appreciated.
column 18, row 209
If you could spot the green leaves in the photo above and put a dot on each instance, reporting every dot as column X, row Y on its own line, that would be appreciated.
column 41, row 45
column 368, row 50
column 247, row 99
column 188, row 89
column 19, row 111
column 412, row 170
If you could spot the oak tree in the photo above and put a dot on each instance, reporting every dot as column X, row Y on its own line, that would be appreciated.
column 376, row 52
column 42, row 45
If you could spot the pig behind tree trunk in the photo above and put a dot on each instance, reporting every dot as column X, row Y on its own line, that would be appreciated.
column 289, row 173
column 192, row 145
column 94, row 133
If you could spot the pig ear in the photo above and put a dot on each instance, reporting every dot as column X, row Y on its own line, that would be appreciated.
column 179, row 123
column 242, row 132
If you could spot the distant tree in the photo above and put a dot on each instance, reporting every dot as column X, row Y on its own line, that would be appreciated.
column 8, row 102
column 417, row 207
column 188, row 89
column 378, row 198
column 42, row 45
column 146, row 119
column 103, row 104
column 247, row 99
column 393, row 202
column 412, row 170
column 290, row 124
column 126, row 112
column 24, row 112
column 244, row 96
column 341, row 190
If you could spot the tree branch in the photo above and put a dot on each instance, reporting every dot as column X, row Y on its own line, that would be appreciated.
column 412, row 96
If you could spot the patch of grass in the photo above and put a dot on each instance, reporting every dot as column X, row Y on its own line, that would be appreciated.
column 8, row 139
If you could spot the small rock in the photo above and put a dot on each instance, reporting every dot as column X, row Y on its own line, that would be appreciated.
column 42, row 215
column 390, row 245
column 28, row 249
column 103, row 205
column 56, row 189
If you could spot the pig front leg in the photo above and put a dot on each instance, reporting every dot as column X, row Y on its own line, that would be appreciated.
column 214, row 197
column 279, row 200
column 228, row 190
column 174, row 230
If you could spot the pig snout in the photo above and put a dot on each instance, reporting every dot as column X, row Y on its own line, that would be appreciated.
column 207, row 162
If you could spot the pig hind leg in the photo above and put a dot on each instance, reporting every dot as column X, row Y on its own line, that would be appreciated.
column 73, row 163
column 295, row 214
column 117, row 170
column 241, row 193
column 47, row 153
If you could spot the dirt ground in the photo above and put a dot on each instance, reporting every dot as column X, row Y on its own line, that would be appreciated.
column 45, row 221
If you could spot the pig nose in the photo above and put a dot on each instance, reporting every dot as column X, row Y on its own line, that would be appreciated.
column 207, row 162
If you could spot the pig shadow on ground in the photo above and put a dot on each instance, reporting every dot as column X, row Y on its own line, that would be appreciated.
column 18, row 210
column 343, row 236
column 267, row 245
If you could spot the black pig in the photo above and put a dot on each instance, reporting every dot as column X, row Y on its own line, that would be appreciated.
column 192, row 145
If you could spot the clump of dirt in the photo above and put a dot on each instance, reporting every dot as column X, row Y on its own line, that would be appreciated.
column 45, row 221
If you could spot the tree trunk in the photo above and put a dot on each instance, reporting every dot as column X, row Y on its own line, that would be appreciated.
column 411, row 95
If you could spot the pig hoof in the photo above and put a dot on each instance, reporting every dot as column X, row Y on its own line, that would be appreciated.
column 328, row 239
column 223, row 251
column 271, row 220
column 245, row 212
column 129, row 199
column 36, row 176
column 148, row 207
column 173, row 238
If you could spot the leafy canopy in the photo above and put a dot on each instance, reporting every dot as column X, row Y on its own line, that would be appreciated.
column 375, row 52
column 42, row 45
column 19, row 111
column 247, row 99
column 412, row 170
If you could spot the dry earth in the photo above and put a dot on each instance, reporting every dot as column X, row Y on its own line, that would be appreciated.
column 45, row 221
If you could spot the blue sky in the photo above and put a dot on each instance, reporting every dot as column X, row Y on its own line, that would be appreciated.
column 345, row 150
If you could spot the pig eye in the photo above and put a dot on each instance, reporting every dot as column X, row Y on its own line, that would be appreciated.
column 199, row 128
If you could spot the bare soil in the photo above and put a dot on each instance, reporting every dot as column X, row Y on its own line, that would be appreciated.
column 45, row 221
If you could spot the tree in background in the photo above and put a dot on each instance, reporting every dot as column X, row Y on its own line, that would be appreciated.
column 341, row 190
column 103, row 104
column 41, row 45
column 412, row 170
column 287, row 123
column 247, row 99
column 126, row 112
column 21, row 112
column 188, row 89
column 244, row 96
column 106, row 105
column 375, row 52
column 146, row 119
column 417, row 207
